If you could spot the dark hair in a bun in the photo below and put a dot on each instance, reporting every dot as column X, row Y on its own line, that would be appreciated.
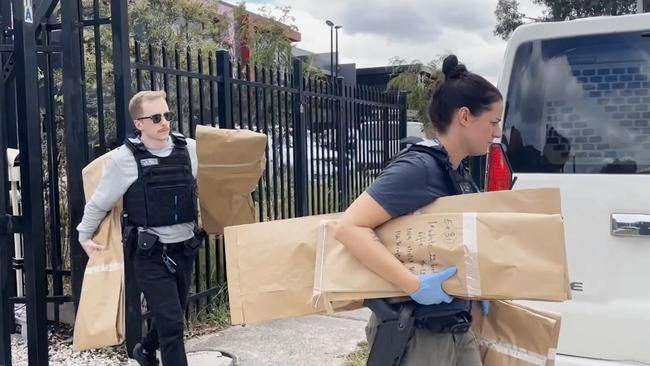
column 452, row 69
column 460, row 88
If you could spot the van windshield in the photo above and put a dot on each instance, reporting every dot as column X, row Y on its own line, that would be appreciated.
column 580, row 105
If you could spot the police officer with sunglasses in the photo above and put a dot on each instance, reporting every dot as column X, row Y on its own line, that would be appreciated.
column 155, row 174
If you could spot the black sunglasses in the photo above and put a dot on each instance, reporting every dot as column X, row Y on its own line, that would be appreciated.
column 156, row 118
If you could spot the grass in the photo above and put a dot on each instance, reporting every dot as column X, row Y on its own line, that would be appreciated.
column 212, row 318
column 219, row 315
column 358, row 357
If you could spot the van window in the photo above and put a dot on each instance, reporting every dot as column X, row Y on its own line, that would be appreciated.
column 580, row 105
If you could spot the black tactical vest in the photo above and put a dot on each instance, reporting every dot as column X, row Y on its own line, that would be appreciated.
column 459, row 182
column 165, row 192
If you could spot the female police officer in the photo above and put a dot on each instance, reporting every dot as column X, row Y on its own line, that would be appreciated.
column 465, row 110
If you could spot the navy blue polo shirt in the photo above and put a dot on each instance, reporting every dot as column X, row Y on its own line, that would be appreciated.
column 415, row 179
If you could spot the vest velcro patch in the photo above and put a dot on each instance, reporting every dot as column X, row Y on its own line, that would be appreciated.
column 466, row 187
column 149, row 162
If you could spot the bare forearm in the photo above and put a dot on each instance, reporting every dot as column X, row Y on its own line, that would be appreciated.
column 369, row 250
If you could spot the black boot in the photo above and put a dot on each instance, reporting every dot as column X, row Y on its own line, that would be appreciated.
column 143, row 357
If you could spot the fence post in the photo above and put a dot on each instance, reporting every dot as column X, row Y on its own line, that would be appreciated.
column 7, row 61
column 224, row 91
column 124, row 127
column 402, row 99
column 75, row 132
column 342, row 131
column 299, row 144
column 31, row 174
column 6, row 239
column 121, row 68
column 385, row 130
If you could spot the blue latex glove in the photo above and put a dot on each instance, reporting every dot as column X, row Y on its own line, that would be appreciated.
column 430, row 291
column 485, row 307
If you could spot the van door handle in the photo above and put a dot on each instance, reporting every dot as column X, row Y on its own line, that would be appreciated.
column 628, row 224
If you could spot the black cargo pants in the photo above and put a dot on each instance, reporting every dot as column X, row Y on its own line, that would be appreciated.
column 166, row 295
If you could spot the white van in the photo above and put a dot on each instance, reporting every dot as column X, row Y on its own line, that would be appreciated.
column 577, row 117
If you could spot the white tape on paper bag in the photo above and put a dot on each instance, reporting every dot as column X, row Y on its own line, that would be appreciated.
column 513, row 351
column 111, row 267
column 318, row 294
column 470, row 242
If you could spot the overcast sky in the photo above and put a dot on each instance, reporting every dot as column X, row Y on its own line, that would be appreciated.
column 376, row 30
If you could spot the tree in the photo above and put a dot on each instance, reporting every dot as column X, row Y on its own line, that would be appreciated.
column 266, row 35
column 509, row 17
column 190, row 23
column 419, row 80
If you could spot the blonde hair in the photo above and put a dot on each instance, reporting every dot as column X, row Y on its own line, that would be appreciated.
column 135, row 104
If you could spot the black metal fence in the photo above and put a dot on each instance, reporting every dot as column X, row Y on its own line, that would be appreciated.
column 36, row 266
column 349, row 131
column 67, row 78
column 326, row 140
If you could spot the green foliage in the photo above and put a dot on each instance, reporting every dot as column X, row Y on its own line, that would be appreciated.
column 212, row 317
column 572, row 9
column 189, row 23
column 312, row 72
column 419, row 80
column 509, row 17
column 267, row 38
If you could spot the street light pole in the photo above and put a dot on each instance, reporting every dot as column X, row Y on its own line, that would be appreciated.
column 331, row 25
column 337, row 48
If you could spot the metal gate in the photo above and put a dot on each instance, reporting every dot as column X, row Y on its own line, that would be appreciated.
column 42, row 80
column 59, row 110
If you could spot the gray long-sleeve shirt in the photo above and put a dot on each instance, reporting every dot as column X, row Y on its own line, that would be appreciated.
column 120, row 172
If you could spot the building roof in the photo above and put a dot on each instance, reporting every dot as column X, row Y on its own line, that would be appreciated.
column 391, row 69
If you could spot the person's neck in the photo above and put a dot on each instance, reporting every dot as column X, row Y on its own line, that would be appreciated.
column 153, row 143
column 454, row 149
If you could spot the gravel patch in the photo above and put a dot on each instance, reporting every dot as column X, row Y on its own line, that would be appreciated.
column 61, row 353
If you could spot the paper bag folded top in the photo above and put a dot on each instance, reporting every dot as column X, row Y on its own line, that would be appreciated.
column 231, row 163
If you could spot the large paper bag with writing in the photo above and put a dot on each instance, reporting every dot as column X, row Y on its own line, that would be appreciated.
column 499, row 255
